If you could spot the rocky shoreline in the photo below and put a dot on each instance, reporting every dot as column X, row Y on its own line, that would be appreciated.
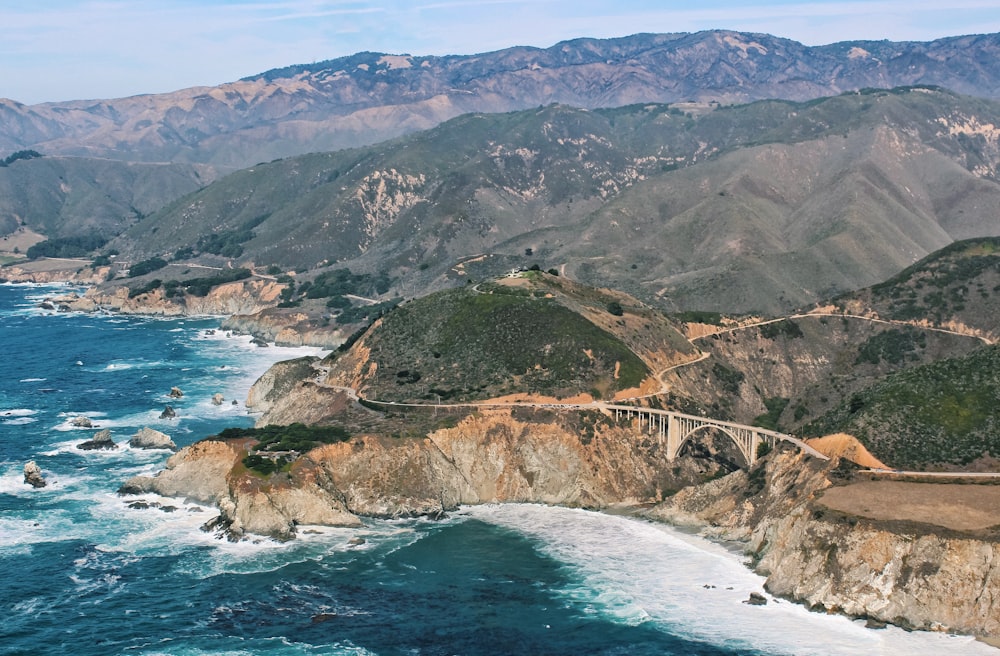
column 246, row 308
column 916, row 579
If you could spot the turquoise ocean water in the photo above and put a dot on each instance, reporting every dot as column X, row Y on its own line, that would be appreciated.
column 82, row 573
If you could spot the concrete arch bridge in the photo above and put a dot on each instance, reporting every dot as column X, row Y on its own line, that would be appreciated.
column 675, row 429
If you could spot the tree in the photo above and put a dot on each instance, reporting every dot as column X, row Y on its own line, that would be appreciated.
column 615, row 308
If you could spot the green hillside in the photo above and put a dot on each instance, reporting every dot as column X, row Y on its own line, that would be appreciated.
column 945, row 413
column 489, row 340
column 958, row 284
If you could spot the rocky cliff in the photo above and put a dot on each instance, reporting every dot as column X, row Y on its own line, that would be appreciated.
column 487, row 457
column 916, row 575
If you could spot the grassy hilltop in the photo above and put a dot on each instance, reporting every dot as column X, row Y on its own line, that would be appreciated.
column 537, row 334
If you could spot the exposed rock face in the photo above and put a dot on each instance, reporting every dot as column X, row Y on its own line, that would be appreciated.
column 912, row 576
column 147, row 438
column 197, row 472
column 33, row 475
column 241, row 297
column 493, row 457
column 277, row 381
column 101, row 441
column 285, row 327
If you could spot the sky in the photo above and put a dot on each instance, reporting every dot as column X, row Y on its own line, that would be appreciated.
column 54, row 50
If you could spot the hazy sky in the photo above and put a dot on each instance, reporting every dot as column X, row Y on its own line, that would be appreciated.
column 73, row 49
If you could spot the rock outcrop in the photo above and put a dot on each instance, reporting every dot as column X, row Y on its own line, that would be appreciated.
column 277, row 381
column 148, row 438
column 101, row 441
column 81, row 422
column 33, row 475
column 168, row 413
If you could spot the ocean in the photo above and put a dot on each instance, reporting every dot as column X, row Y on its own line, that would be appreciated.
column 83, row 573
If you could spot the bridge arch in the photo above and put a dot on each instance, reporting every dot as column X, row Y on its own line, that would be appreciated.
column 746, row 441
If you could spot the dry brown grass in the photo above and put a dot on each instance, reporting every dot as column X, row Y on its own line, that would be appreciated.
column 954, row 506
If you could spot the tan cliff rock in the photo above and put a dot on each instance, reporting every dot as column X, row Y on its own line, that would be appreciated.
column 914, row 575
column 486, row 458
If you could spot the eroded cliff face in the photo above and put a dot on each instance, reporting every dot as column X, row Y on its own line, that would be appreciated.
column 489, row 457
column 246, row 297
column 915, row 576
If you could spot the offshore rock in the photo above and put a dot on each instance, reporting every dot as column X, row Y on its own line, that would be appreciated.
column 148, row 438
column 33, row 475
column 82, row 422
column 176, row 393
column 218, row 399
column 168, row 413
column 101, row 441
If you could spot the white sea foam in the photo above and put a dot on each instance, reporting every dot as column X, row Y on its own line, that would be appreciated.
column 639, row 572
column 31, row 380
column 18, row 416
column 18, row 412
column 20, row 421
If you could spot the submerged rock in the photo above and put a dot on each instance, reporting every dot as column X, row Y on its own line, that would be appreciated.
column 101, row 441
column 33, row 475
column 147, row 438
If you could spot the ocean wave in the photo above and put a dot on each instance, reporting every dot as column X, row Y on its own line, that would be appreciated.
column 31, row 380
column 637, row 572
column 20, row 421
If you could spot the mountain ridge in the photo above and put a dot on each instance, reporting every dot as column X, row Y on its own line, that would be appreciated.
column 368, row 97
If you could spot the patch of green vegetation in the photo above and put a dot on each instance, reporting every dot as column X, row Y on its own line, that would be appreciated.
column 202, row 286
column 699, row 316
column 229, row 243
column 281, row 441
column 775, row 406
column 19, row 155
column 78, row 246
column 892, row 346
column 146, row 266
column 785, row 327
column 729, row 379
column 944, row 412
column 474, row 344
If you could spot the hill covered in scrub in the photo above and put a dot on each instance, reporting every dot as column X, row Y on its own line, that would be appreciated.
column 536, row 334
column 760, row 207
column 908, row 366
column 940, row 414
column 954, row 287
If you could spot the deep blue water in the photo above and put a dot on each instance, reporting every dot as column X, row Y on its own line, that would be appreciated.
column 82, row 573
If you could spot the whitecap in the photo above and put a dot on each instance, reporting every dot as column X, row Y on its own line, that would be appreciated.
column 20, row 421
column 31, row 380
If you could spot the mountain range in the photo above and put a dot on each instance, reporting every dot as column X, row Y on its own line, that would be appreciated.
column 369, row 97
column 693, row 203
